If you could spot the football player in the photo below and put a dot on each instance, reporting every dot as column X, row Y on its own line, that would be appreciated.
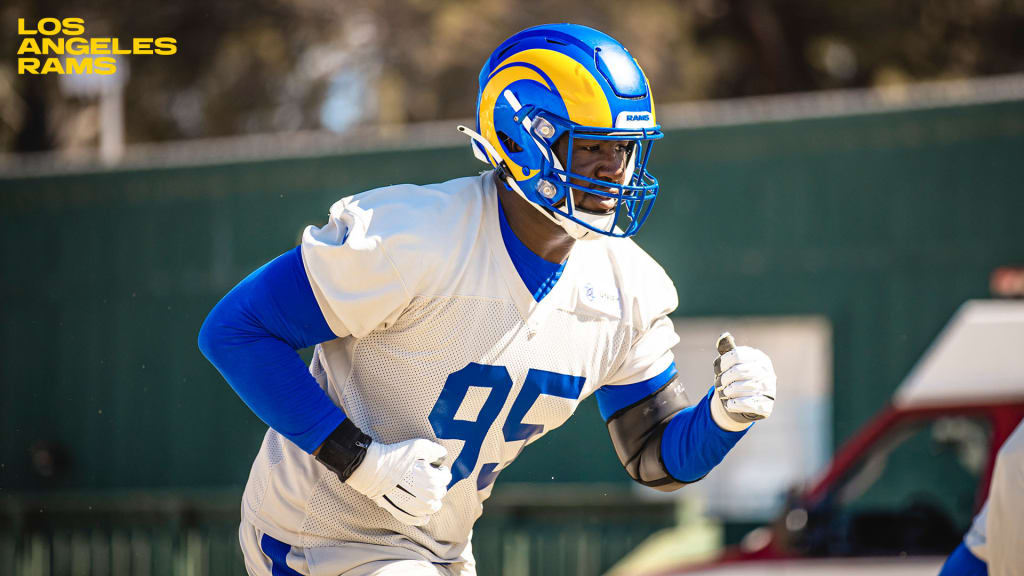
column 992, row 546
column 455, row 323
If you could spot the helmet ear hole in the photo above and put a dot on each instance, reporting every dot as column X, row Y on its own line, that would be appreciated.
column 509, row 143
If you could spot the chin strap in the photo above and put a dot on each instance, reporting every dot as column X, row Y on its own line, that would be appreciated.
column 576, row 231
column 571, row 228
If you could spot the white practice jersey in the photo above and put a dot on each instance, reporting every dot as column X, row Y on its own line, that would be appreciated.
column 439, row 338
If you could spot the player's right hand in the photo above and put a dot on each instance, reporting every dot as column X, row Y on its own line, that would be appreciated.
column 407, row 478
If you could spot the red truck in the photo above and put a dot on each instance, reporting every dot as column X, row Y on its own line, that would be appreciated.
column 898, row 495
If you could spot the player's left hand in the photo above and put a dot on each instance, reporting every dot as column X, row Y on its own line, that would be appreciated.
column 744, row 388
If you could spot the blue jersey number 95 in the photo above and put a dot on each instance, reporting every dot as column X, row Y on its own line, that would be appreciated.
column 442, row 417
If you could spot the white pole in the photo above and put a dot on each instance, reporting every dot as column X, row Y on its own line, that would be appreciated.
column 112, row 124
column 110, row 91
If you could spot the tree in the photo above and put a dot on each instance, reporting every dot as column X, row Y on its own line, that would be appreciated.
column 267, row 66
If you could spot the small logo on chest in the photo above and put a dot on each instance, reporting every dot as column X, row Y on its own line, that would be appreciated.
column 600, row 299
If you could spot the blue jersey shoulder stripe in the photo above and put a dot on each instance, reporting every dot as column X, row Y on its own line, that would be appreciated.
column 611, row 399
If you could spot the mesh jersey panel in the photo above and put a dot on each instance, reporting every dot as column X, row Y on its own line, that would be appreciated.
column 397, row 377
column 390, row 380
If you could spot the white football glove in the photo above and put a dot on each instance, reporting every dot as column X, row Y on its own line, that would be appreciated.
column 744, row 388
column 407, row 479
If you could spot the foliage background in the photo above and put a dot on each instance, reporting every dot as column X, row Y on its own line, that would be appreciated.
column 286, row 65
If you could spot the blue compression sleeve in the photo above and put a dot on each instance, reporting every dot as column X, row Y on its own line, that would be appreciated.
column 693, row 444
column 251, row 337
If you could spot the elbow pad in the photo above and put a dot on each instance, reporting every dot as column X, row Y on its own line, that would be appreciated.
column 636, row 432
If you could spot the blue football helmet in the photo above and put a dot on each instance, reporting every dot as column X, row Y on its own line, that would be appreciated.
column 566, row 80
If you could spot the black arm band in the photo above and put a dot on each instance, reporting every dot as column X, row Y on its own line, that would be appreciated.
column 636, row 434
column 344, row 449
